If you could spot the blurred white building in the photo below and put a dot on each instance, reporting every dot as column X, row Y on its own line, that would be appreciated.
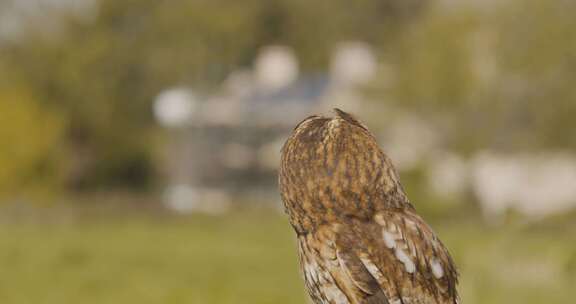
column 228, row 144
column 536, row 185
column 225, row 147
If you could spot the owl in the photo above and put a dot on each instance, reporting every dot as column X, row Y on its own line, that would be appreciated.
column 359, row 238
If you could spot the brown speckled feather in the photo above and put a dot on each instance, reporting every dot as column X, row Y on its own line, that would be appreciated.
column 359, row 238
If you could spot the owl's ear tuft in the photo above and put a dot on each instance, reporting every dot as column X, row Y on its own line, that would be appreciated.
column 349, row 119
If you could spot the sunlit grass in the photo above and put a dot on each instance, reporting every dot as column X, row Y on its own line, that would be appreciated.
column 247, row 258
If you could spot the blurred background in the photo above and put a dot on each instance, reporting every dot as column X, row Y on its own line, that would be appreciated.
column 139, row 140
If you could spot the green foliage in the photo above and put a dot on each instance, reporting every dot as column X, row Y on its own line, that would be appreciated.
column 30, row 137
column 103, row 72
column 537, row 51
column 434, row 63
column 313, row 28
column 502, row 75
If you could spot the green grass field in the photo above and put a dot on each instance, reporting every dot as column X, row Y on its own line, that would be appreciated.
column 248, row 258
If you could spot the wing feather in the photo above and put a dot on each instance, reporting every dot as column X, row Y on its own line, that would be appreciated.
column 399, row 257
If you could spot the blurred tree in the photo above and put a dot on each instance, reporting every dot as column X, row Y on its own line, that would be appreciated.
column 537, row 56
column 105, row 72
column 502, row 74
column 30, row 139
column 314, row 27
column 102, row 71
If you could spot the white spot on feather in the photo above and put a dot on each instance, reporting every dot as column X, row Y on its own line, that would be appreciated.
column 405, row 259
column 372, row 268
column 399, row 301
column 437, row 269
column 411, row 224
column 334, row 294
column 379, row 218
column 388, row 239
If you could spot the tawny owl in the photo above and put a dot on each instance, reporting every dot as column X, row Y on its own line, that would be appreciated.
column 359, row 238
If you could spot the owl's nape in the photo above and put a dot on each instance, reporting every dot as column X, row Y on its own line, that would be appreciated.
column 359, row 238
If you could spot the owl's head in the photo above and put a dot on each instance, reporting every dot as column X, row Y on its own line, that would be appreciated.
column 331, row 143
column 335, row 159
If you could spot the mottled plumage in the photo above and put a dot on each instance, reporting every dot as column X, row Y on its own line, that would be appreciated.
column 359, row 238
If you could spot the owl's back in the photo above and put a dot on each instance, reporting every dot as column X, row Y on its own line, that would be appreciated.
column 359, row 238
